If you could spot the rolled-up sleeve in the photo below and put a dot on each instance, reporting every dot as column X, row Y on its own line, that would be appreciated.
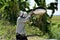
column 27, row 18
column 23, row 19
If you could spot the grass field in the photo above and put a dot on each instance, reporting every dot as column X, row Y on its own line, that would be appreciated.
column 55, row 28
column 56, row 19
column 7, row 31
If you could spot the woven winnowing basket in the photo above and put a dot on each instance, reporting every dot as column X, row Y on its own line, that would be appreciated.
column 39, row 11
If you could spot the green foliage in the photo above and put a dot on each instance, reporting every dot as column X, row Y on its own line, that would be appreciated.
column 9, row 11
column 7, row 31
column 40, row 21
column 52, row 6
column 55, row 28
column 55, row 31
column 40, row 3
column 23, row 5
column 31, row 30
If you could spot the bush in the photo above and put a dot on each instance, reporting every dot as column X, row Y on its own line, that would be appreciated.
column 55, row 31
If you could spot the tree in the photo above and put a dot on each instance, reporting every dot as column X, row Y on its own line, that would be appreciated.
column 42, row 20
column 52, row 7
column 10, row 9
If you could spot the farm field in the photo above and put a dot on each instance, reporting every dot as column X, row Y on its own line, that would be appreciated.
column 7, row 31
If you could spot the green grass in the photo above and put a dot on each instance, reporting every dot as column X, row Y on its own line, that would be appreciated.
column 55, row 28
column 56, row 19
column 7, row 31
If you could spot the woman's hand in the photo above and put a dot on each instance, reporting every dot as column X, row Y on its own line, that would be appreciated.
column 31, row 13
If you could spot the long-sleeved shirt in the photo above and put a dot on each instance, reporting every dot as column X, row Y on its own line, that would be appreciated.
column 20, row 24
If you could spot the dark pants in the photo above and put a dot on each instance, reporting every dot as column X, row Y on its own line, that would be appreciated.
column 20, row 37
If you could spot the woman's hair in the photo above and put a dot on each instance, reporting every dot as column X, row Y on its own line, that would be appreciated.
column 22, row 14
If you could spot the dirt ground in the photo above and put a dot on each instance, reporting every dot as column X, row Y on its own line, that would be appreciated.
column 35, row 38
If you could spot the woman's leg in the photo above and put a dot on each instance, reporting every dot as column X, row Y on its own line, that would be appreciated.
column 25, row 38
column 20, row 37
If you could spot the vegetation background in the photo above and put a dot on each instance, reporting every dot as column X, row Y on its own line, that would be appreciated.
column 48, row 29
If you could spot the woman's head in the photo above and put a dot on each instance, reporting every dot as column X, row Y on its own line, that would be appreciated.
column 23, row 14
